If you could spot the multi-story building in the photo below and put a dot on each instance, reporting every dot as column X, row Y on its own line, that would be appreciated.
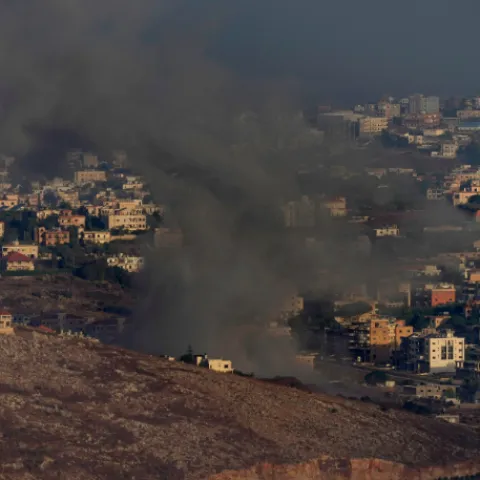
column 124, row 219
column 119, row 159
column 54, row 236
column 291, row 306
column 97, row 237
column 6, row 323
column 372, row 125
column 429, row 390
column 106, row 330
column 389, row 110
column 435, row 194
column 71, row 221
column 28, row 249
column 419, row 104
column 442, row 294
column 444, row 352
column 134, row 204
column 89, row 176
column 377, row 339
column 429, row 120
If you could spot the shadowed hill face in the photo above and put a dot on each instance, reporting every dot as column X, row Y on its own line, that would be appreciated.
column 152, row 418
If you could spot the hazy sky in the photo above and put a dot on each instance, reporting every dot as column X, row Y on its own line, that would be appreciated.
column 358, row 49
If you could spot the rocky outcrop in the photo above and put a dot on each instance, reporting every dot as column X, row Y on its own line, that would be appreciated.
column 327, row 468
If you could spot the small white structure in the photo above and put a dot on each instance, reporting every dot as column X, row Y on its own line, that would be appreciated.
column 220, row 365
column 387, row 231
column 216, row 364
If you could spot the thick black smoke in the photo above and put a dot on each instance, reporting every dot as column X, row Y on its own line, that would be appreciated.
column 220, row 149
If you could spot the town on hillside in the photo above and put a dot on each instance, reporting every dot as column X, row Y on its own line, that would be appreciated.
column 391, row 208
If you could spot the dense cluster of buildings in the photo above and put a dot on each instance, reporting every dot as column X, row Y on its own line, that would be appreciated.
column 438, row 128
column 102, row 202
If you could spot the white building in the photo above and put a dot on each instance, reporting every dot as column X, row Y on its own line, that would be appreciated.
column 220, row 365
column 216, row 364
column 444, row 352
column 129, row 263
column 448, row 150
column 387, row 231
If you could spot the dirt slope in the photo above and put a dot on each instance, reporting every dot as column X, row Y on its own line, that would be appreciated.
column 72, row 409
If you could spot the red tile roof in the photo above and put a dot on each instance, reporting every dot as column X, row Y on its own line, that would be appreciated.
column 17, row 257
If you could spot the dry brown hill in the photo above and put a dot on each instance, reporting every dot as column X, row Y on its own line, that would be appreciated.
column 74, row 409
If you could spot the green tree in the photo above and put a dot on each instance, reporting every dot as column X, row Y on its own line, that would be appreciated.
column 50, row 222
column 93, row 271
column 188, row 357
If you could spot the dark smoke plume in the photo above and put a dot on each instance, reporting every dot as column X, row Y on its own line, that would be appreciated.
column 221, row 148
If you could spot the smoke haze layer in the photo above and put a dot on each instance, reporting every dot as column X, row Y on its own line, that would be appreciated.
column 200, row 94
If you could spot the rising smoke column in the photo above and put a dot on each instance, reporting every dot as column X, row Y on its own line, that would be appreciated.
column 137, row 76
column 220, row 149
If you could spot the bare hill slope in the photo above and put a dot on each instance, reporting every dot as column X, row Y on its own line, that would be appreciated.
column 73, row 409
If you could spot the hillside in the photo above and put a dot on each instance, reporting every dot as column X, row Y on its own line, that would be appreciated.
column 47, row 293
column 74, row 409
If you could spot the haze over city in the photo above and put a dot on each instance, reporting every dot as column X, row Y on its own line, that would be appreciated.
column 240, row 239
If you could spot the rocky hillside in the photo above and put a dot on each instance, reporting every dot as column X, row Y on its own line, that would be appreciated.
column 74, row 409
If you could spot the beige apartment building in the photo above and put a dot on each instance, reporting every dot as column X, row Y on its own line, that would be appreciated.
column 372, row 125
column 98, row 237
column 71, row 221
column 126, row 221
column 88, row 176
column 130, row 263
column 28, row 249
column 444, row 352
